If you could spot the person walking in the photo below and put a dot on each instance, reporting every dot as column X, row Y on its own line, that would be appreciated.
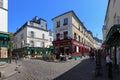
column 109, row 66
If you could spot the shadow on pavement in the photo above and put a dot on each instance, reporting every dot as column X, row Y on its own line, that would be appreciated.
column 83, row 71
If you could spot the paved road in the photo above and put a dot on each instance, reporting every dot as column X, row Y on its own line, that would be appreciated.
column 41, row 70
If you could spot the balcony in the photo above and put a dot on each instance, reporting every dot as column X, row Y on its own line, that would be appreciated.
column 65, row 38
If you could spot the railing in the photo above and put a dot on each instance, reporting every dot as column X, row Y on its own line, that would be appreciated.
column 66, row 38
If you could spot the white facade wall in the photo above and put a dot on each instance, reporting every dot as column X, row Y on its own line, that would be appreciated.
column 37, row 39
column 4, row 17
column 62, row 27
column 20, row 38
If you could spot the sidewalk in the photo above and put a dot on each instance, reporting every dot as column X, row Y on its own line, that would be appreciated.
column 103, row 76
column 8, row 69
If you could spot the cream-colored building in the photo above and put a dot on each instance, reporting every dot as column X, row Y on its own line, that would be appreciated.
column 111, row 30
column 71, row 36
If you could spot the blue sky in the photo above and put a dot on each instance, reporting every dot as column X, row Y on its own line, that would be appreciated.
column 90, row 12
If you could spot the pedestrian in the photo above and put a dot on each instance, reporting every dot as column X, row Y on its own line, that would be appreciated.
column 109, row 66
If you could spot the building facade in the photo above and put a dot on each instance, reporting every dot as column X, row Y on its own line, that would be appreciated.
column 111, row 30
column 98, row 43
column 70, row 35
column 4, row 29
column 33, row 38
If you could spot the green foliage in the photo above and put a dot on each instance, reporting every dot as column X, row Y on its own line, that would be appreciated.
column 11, row 40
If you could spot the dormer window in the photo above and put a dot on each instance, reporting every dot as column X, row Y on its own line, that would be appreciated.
column 31, row 23
column 65, row 21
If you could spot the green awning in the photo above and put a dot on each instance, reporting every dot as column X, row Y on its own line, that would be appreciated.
column 4, row 35
column 113, row 36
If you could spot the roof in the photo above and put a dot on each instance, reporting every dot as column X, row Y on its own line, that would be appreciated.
column 25, row 25
column 35, row 20
column 71, row 11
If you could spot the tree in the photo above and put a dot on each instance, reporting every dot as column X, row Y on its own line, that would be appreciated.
column 10, row 45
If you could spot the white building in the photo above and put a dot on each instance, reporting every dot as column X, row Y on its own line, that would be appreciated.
column 4, row 15
column 3, row 28
column 98, row 43
column 33, row 34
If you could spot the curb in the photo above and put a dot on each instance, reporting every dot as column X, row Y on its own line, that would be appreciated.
column 5, row 77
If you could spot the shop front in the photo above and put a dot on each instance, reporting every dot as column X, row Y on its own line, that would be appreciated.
column 112, row 44
column 70, row 47
column 32, row 52
column 4, row 39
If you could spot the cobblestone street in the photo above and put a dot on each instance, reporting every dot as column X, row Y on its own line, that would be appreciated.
column 80, row 69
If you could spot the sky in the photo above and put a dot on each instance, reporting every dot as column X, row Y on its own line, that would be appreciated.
column 90, row 12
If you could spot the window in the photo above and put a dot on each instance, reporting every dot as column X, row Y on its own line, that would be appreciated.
column 43, row 36
column 118, row 19
column 78, row 27
column 21, row 44
column 43, row 44
column 66, row 35
column 31, row 23
column 79, row 38
column 1, row 3
column 75, row 36
column 58, row 36
column 79, row 49
column 32, row 34
column 82, row 40
column 50, row 33
column 32, row 43
column 21, row 36
column 65, row 21
column 75, row 47
column 50, row 39
column 58, row 23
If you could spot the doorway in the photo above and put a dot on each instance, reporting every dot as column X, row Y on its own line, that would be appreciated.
column 32, row 53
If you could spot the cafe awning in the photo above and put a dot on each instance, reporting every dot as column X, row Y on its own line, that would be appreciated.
column 4, row 35
column 113, row 36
